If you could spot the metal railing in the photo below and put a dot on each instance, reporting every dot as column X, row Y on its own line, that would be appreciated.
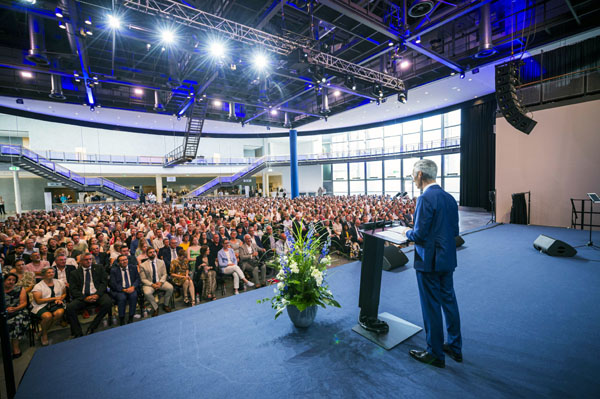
column 19, row 151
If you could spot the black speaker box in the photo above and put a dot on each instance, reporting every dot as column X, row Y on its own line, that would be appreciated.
column 393, row 258
column 459, row 241
column 553, row 247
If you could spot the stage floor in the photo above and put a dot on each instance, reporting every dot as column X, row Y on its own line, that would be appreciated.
column 529, row 323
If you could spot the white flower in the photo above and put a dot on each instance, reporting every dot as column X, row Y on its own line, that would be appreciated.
column 280, row 275
column 280, row 286
column 294, row 267
column 318, row 276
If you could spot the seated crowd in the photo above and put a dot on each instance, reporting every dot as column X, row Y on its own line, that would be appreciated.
column 59, row 264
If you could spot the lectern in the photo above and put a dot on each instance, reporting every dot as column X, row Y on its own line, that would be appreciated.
column 386, row 330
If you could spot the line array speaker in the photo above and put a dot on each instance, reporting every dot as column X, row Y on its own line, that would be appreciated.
column 508, row 101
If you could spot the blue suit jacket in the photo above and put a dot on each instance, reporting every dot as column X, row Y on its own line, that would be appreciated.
column 436, row 226
column 116, row 278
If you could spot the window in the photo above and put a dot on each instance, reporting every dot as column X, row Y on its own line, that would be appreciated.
column 356, row 135
column 411, row 142
column 357, row 187
column 340, row 188
column 452, row 165
column 392, row 186
column 431, row 139
column 374, row 170
column 327, row 172
column 374, row 187
column 375, row 133
column 412, row 126
column 452, row 118
column 392, row 169
column 357, row 145
column 433, row 122
column 339, row 138
column 392, row 144
column 375, row 144
column 392, row 130
column 453, row 131
column 408, row 165
column 339, row 147
column 340, row 171
column 357, row 170
column 438, row 161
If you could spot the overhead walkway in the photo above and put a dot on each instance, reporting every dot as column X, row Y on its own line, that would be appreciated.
column 38, row 165
column 447, row 146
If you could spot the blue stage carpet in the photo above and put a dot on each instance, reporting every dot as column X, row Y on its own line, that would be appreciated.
column 530, row 324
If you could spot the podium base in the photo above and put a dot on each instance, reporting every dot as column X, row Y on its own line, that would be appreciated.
column 400, row 331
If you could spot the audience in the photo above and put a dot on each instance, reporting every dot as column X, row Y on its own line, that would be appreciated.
column 153, row 274
column 16, row 301
column 48, row 302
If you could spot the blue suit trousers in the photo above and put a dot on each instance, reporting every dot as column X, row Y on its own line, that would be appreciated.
column 123, row 299
column 436, row 290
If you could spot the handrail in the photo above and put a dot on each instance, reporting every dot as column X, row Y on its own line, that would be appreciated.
column 346, row 155
column 19, row 151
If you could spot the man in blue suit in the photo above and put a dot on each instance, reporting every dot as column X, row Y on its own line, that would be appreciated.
column 434, row 232
column 124, row 283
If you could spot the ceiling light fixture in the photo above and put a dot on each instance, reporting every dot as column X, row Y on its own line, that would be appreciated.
column 88, row 21
column 167, row 36
column 26, row 74
column 61, row 25
column 260, row 61
column 216, row 49
column 217, row 103
column 138, row 91
column 114, row 22
column 58, row 12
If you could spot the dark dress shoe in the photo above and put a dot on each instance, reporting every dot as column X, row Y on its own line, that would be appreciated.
column 155, row 313
column 373, row 324
column 457, row 357
column 16, row 355
column 427, row 358
column 77, row 335
column 90, row 331
column 130, row 320
column 121, row 321
column 167, row 309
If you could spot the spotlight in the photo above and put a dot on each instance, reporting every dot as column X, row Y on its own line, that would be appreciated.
column 32, row 2
column 92, row 108
column 138, row 91
column 58, row 12
column 452, row 73
column 420, row 8
column 88, row 21
column 167, row 36
column 61, row 25
column 114, row 22
column 88, row 32
column 217, row 103
column 390, row 43
column 462, row 75
column 260, row 61
column 26, row 74
column 318, row 76
column 337, row 93
column 216, row 49
column 95, row 77
column 403, row 96
column 273, row 112
column 378, row 90
column 418, row 41
column 404, row 64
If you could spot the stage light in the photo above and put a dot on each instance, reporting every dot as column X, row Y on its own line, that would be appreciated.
column 273, row 112
column 114, row 22
column 88, row 21
column 167, row 36
column 337, row 93
column 88, row 32
column 390, row 43
column 61, row 25
column 138, row 91
column 404, row 64
column 377, row 90
column 58, row 12
column 32, row 2
column 26, row 74
column 318, row 76
column 452, row 73
column 217, row 103
column 462, row 75
column 260, row 61
column 418, row 41
column 216, row 49
column 403, row 96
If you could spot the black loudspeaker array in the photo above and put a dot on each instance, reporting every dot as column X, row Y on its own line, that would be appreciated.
column 506, row 93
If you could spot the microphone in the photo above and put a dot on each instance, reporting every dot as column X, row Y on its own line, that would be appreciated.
column 401, row 194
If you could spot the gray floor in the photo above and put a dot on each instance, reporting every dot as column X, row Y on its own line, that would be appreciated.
column 468, row 219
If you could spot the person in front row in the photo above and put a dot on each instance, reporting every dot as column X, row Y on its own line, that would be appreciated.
column 249, row 261
column 436, row 225
column 228, row 265
column 153, row 274
column 48, row 301
column 124, row 282
column 88, row 285
column 282, row 246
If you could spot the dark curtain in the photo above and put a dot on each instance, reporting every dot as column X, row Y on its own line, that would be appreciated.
column 478, row 153
column 518, row 210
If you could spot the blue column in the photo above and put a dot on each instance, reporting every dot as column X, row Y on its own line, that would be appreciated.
column 294, row 162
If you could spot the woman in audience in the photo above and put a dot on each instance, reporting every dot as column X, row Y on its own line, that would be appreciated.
column 48, row 305
column 16, row 301
column 25, row 278
column 185, row 241
column 208, row 273
column 180, row 272
column 140, row 252
column 235, row 242
column 203, row 239
column 193, row 250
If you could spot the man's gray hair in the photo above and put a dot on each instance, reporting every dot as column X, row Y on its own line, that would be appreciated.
column 427, row 167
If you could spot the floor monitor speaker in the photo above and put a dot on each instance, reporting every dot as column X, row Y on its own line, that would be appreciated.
column 393, row 257
column 553, row 247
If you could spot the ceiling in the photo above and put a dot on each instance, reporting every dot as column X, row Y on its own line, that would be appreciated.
column 126, row 67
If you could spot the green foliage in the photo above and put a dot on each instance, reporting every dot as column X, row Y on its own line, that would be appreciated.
column 301, row 274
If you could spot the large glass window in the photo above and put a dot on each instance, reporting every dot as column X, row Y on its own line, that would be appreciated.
column 452, row 118
column 357, row 187
column 392, row 169
column 374, row 170
column 393, row 186
column 375, row 144
column 408, row 165
column 452, row 165
column 340, row 188
column 412, row 126
column 374, row 187
column 431, row 138
column 375, row 133
column 340, row 171
column 357, row 171
column 433, row 122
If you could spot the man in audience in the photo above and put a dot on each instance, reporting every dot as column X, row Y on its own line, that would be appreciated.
column 29, row 247
column 282, row 247
column 18, row 253
column 78, row 244
column 157, row 242
column 71, row 251
column 168, row 253
column 36, row 265
column 124, row 282
column 100, row 258
column 249, row 261
column 153, row 274
column 88, row 289
column 62, row 271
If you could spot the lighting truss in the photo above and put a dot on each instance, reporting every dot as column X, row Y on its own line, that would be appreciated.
column 195, row 18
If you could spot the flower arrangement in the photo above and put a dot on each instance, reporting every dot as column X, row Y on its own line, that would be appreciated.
column 301, row 274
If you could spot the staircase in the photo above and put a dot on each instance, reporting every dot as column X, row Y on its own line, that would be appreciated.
column 217, row 182
column 34, row 163
column 188, row 150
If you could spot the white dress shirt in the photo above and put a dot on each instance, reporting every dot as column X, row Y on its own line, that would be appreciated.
column 92, row 286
